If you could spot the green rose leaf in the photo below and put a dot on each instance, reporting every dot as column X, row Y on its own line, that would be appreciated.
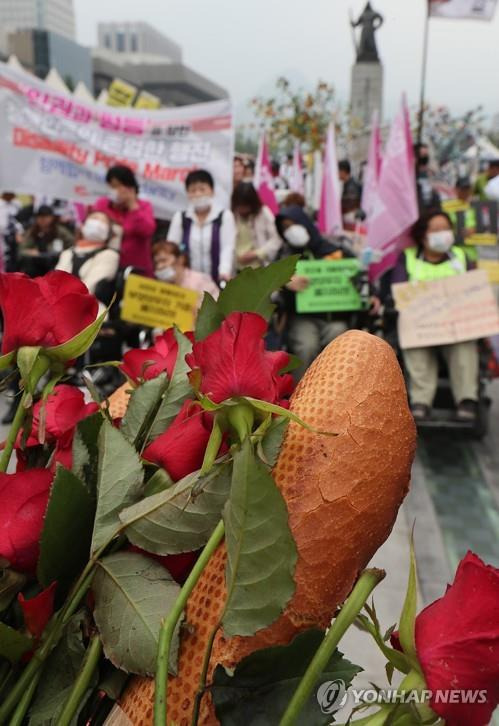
column 7, row 360
column 407, row 625
column 261, row 551
column 59, row 675
column 133, row 594
column 85, row 450
column 13, row 645
column 263, row 683
column 67, row 529
column 271, row 443
column 160, row 481
column 182, row 518
column 250, row 292
column 78, row 344
column 142, row 409
column 119, row 482
column 178, row 391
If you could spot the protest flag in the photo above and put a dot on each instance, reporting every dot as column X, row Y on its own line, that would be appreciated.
column 264, row 183
column 463, row 9
column 373, row 168
column 330, row 220
column 396, row 204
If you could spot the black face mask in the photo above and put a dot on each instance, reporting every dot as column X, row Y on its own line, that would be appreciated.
column 423, row 161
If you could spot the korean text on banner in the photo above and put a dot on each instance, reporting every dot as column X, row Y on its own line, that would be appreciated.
column 463, row 9
column 51, row 140
column 330, row 286
column 446, row 311
column 158, row 304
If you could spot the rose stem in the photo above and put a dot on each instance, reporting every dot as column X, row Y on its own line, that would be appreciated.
column 348, row 613
column 204, row 673
column 13, row 431
column 90, row 663
column 169, row 623
column 23, row 705
column 51, row 636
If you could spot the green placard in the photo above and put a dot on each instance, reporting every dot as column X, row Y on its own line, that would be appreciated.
column 330, row 286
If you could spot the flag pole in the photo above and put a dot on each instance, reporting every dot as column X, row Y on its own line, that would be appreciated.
column 423, row 74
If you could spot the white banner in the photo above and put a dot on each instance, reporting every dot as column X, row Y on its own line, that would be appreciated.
column 53, row 144
column 477, row 9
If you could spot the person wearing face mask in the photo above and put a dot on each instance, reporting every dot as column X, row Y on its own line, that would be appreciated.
column 257, row 240
column 434, row 257
column 205, row 231
column 134, row 215
column 172, row 265
column 307, row 334
column 91, row 259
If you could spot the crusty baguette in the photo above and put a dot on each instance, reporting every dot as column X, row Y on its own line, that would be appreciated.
column 342, row 494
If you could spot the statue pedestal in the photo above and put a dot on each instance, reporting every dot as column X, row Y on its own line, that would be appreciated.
column 366, row 95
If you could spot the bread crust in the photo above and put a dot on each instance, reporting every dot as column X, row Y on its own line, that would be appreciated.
column 342, row 492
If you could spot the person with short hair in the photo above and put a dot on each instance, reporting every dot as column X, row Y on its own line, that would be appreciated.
column 351, row 194
column 172, row 265
column 257, row 240
column 237, row 170
column 205, row 231
column 134, row 215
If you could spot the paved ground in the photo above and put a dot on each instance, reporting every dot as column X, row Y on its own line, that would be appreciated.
column 454, row 502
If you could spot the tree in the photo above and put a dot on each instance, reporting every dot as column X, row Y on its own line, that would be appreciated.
column 297, row 115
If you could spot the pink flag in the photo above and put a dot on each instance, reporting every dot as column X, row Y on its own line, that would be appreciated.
column 395, row 207
column 264, row 183
column 373, row 169
column 330, row 219
column 296, row 182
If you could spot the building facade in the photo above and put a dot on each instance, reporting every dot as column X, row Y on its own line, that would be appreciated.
column 56, row 16
column 137, row 38
column 40, row 50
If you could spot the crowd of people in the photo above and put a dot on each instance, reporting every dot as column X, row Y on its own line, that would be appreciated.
column 205, row 245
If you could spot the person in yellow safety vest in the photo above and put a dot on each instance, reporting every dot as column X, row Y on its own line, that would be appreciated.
column 462, row 203
column 433, row 257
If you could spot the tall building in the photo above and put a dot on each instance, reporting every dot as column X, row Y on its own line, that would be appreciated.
column 40, row 50
column 135, row 39
column 56, row 16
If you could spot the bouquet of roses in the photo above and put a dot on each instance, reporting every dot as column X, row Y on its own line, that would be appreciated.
column 107, row 523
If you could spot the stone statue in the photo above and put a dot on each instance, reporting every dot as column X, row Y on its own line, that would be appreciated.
column 369, row 21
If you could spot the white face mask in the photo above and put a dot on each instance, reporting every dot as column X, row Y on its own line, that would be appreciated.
column 95, row 230
column 166, row 274
column 113, row 196
column 441, row 241
column 297, row 235
column 200, row 203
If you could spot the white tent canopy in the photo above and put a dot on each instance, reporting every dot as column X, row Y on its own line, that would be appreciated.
column 484, row 149
column 82, row 93
column 54, row 80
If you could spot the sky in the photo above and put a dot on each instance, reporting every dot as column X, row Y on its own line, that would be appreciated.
column 244, row 45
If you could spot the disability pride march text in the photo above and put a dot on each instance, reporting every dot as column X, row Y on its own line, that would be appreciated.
column 53, row 143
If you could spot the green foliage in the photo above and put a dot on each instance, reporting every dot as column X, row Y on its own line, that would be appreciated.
column 13, row 644
column 59, row 675
column 182, row 518
column 263, row 683
column 67, row 530
column 133, row 594
column 261, row 551
column 85, row 450
column 250, row 291
column 119, row 482
column 142, row 408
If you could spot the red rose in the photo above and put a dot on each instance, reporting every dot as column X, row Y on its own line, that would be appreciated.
column 150, row 362
column 64, row 409
column 45, row 311
column 181, row 448
column 233, row 361
column 23, row 501
column 457, row 641
column 38, row 610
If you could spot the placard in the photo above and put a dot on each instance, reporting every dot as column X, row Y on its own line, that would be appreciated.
column 491, row 267
column 158, row 304
column 486, row 220
column 121, row 93
column 330, row 286
column 442, row 312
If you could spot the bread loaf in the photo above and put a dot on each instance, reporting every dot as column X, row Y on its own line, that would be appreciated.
column 342, row 494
